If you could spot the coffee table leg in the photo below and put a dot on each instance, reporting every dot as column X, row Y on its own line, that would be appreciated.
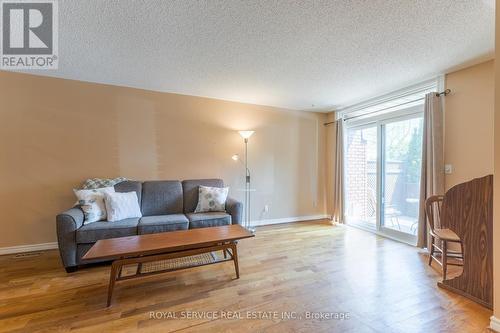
column 235, row 259
column 115, row 268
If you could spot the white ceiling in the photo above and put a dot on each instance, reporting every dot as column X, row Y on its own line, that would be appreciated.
column 291, row 54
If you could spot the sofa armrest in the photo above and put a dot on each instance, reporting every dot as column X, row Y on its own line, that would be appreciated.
column 235, row 209
column 67, row 223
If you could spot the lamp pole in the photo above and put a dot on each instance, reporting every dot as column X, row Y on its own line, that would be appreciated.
column 246, row 135
column 247, row 188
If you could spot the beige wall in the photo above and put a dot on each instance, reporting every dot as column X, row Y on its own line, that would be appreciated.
column 469, row 123
column 55, row 133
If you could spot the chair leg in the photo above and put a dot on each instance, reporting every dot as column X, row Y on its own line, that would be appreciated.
column 432, row 250
column 445, row 258
column 399, row 225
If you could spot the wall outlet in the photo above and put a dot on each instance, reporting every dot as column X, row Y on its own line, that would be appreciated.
column 448, row 169
column 266, row 208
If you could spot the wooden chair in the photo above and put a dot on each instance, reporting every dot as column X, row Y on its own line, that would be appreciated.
column 433, row 210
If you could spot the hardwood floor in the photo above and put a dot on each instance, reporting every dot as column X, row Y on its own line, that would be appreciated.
column 382, row 285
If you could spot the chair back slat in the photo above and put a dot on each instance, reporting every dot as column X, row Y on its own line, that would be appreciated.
column 433, row 210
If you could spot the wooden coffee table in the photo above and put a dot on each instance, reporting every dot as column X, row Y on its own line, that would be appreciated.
column 167, row 245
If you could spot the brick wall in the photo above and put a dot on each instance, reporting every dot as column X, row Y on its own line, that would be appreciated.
column 356, row 176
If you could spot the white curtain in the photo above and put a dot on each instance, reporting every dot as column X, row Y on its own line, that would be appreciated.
column 338, row 181
column 432, row 178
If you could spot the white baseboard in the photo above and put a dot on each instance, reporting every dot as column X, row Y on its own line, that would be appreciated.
column 289, row 219
column 495, row 324
column 28, row 248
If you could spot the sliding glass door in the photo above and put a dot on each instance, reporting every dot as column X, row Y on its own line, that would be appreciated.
column 382, row 174
column 402, row 159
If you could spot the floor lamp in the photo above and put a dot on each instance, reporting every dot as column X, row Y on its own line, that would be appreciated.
column 246, row 135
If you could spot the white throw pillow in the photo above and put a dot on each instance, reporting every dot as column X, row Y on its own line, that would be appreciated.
column 122, row 206
column 211, row 199
column 92, row 203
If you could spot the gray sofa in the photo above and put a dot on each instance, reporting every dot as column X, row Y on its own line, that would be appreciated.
column 165, row 205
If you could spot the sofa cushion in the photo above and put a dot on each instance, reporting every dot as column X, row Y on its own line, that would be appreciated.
column 190, row 191
column 162, row 223
column 129, row 186
column 211, row 219
column 161, row 197
column 92, row 232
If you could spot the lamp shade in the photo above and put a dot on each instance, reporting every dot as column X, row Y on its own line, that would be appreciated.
column 246, row 134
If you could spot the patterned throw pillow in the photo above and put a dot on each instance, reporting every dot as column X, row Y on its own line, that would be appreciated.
column 211, row 199
column 94, row 183
column 92, row 203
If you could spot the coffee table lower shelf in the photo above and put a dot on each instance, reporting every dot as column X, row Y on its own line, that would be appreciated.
column 228, row 248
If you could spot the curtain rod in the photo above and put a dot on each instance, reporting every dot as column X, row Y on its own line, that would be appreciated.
column 443, row 93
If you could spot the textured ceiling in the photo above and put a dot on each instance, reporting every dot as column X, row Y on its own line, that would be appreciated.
column 292, row 54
